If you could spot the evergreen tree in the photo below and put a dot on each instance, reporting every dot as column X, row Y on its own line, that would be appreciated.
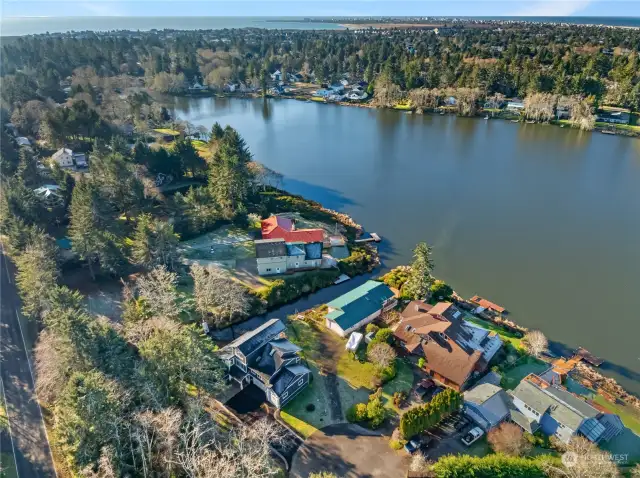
column 420, row 278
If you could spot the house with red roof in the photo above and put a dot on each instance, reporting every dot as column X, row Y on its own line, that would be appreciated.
column 278, row 227
column 284, row 248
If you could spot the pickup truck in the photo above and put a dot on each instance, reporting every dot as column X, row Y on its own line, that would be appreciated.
column 472, row 436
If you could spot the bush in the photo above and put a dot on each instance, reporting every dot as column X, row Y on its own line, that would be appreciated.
column 375, row 413
column 396, row 278
column 421, row 418
column 395, row 444
column 371, row 328
column 282, row 291
column 421, row 362
column 359, row 262
column 491, row 466
column 357, row 413
column 387, row 373
column 399, row 398
column 440, row 290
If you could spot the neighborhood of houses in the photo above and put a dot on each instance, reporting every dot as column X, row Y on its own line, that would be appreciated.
column 443, row 344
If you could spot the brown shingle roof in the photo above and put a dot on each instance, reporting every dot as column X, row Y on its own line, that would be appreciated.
column 447, row 358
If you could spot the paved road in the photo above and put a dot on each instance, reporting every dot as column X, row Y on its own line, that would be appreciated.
column 28, row 441
column 349, row 451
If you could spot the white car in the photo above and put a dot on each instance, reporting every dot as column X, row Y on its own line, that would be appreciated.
column 472, row 436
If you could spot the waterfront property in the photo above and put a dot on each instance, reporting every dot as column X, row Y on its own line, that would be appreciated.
column 358, row 307
column 264, row 357
column 488, row 405
column 614, row 116
column 515, row 105
column 452, row 348
column 284, row 248
column 555, row 411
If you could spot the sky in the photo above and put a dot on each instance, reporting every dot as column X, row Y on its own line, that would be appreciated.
column 58, row 8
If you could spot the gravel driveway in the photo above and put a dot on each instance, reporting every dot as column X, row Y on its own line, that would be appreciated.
column 349, row 451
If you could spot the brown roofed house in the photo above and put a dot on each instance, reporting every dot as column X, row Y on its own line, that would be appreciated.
column 452, row 348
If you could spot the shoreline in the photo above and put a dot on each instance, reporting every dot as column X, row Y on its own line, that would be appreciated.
column 502, row 115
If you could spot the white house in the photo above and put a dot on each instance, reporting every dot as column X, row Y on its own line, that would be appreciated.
column 276, row 75
column 66, row 158
column 22, row 141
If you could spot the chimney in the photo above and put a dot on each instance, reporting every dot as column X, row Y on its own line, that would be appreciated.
column 417, row 307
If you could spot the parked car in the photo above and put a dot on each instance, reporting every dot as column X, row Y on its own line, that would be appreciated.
column 472, row 436
column 418, row 442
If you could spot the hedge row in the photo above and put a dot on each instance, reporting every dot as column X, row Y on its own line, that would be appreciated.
column 491, row 466
column 421, row 418
column 282, row 291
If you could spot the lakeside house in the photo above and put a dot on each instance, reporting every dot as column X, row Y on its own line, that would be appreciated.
column 614, row 116
column 554, row 410
column 264, row 357
column 284, row 248
column 453, row 349
column 358, row 307
column 276, row 75
column 488, row 405
column 66, row 158
column 515, row 105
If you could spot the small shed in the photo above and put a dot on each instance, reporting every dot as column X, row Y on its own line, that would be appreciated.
column 354, row 341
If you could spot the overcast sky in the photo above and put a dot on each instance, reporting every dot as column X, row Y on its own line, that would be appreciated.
column 57, row 8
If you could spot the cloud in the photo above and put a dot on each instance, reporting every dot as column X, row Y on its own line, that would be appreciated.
column 104, row 9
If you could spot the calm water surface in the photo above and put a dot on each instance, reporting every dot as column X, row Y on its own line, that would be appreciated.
column 542, row 220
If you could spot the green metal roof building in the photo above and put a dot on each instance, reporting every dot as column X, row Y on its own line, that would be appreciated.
column 358, row 307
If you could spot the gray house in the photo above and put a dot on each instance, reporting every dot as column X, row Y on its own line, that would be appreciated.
column 267, row 359
column 276, row 256
column 556, row 411
column 488, row 405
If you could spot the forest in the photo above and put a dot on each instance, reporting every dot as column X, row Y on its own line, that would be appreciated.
column 507, row 59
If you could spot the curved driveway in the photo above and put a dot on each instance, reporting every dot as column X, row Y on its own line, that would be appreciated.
column 349, row 451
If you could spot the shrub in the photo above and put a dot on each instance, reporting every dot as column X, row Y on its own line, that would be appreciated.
column 357, row 413
column 384, row 335
column 441, row 290
column 491, row 466
column 360, row 261
column 387, row 373
column 285, row 290
column 375, row 412
column 421, row 418
column 372, row 328
column 421, row 362
column 399, row 398
column 395, row 444
column 396, row 277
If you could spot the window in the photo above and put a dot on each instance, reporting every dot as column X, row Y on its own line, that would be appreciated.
column 297, row 264
column 285, row 394
column 301, row 381
column 268, row 270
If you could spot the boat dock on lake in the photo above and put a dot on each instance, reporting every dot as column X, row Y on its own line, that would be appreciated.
column 373, row 237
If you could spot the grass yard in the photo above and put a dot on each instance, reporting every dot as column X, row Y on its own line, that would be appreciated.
column 504, row 334
column 167, row 131
column 629, row 415
column 527, row 365
column 8, row 465
column 228, row 243
column 304, row 421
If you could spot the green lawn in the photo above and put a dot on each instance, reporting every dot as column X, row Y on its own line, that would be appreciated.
column 527, row 365
column 295, row 413
column 167, row 131
column 627, row 127
column 629, row 415
column 356, row 371
column 8, row 466
column 504, row 334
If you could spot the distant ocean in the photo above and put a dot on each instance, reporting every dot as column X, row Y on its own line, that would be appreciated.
column 14, row 26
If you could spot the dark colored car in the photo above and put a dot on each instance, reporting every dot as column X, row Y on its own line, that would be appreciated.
column 418, row 442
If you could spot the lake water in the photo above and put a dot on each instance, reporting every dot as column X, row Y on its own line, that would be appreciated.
column 542, row 220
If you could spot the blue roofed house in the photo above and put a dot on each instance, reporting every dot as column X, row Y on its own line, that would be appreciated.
column 556, row 411
column 358, row 307
column 264, row 357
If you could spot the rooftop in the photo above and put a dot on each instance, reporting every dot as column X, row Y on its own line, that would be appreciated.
column 350, row 308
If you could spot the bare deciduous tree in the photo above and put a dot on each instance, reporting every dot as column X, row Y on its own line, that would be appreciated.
column 583, row 459
column 419, row 464
column 158, row 288
column 53, row 360
column 536, row 342
column 382, row 355
column 217, row 295
column 508, row 439
column 540, row 106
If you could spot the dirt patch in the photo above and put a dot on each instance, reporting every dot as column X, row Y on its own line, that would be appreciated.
column 335, row 404
column 103, row 296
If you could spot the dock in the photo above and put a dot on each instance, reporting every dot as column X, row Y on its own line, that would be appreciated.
column 588, row 357
column 486, row 304
column 373, row 237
